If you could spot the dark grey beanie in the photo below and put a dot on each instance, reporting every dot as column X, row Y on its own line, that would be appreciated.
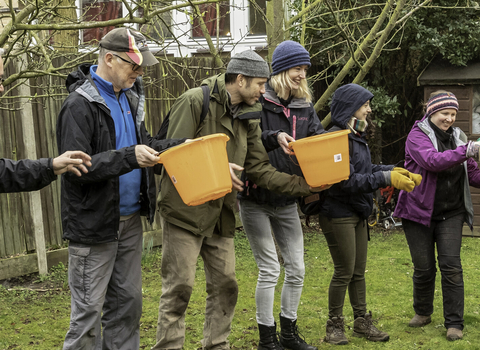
column 249, row 64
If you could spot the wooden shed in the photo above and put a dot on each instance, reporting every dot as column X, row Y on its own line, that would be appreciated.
column 464, row 82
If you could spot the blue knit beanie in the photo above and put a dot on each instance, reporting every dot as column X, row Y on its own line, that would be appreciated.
column 287, row 55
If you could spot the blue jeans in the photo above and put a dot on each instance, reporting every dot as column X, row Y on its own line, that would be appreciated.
column 447, row 236
column 106, row 277
column 259, row 221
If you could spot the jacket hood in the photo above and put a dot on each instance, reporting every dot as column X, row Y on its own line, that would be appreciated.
column 346, row 100
column 78, row 77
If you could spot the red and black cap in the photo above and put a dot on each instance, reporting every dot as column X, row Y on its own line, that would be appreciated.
column 133, row 43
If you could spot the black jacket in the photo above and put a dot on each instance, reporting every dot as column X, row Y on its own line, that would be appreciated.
column 90, row 203
column 25, row 174
column 300, row 116
column 353, row 196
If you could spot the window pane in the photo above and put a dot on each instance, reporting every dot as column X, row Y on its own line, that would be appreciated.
column 157, row 29
column 209, row 14
column 93, row 10
column 476, row 110
column 256, row 20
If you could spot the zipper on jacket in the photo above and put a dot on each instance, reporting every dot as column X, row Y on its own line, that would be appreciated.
column 294, row 132
column 121, row 109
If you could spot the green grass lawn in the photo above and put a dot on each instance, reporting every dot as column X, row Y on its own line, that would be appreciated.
column 32, row 319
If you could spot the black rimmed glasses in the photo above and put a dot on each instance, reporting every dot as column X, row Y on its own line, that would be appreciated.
column 135, row 67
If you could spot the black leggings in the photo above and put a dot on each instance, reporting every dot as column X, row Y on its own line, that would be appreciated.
column 347, row 240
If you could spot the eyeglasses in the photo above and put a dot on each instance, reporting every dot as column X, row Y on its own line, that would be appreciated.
column 2, row 80
column 135, row 67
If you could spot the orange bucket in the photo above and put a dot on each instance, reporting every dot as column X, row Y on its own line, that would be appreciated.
column 199, row 169
column 324, row 159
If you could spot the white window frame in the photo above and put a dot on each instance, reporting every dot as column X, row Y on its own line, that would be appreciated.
column 238, row 41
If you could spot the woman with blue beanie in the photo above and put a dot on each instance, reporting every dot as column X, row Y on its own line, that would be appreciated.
column 433, row 214
column 288, row 115
column 345, row 210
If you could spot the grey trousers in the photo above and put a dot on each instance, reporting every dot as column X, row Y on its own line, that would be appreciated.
column 106, row 277
column 259, row 221
column 180, row 251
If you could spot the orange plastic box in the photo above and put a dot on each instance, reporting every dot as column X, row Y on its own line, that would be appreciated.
column 324, row 159
column 199, row 169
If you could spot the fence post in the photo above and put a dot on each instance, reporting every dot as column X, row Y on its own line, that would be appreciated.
column 28, row 134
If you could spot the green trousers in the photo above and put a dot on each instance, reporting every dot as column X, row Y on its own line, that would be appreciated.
column 347, row 240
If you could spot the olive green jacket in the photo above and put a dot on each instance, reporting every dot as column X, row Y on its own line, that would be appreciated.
column 244, row 148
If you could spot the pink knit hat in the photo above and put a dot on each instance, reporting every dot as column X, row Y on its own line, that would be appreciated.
column 441, row 101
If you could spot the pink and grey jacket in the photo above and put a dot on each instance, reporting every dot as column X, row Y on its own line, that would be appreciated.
column 422, row 157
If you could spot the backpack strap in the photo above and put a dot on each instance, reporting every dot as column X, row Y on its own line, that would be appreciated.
column 206, row 102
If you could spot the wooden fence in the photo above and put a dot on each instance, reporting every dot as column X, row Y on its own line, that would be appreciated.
column 164, row 83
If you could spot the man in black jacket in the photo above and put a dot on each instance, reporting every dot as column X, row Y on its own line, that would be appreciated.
column 31, row 175
column 104, row 116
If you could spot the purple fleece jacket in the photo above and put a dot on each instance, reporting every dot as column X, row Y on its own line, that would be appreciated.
column 422, row 157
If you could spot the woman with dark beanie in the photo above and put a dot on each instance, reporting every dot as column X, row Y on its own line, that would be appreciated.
column 345, row 210
column 287, row 115
column 433, row 214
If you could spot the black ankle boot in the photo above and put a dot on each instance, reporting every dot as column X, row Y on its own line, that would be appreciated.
column 290, row 338
column 268, row 338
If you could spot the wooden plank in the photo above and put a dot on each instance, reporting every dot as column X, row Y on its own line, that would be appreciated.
column 26, row 264
column 28, row 125
column 468, row 233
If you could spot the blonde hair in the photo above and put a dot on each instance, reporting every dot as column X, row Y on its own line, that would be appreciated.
column 282, row 85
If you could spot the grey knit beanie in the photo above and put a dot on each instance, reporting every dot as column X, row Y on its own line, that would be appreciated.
column 249, row 64
column 289, row 54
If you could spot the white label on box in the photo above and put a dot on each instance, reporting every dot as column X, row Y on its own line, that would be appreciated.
column 337, row 158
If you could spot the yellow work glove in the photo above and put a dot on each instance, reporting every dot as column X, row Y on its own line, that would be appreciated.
column 417, row 178
column 401, row 182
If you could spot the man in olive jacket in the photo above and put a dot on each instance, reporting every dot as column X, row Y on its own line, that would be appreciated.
column 208, row 229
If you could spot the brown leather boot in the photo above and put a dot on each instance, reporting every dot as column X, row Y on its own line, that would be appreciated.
column 336, row 331
column 363, row 327
column 454, row 334
column 419, row 321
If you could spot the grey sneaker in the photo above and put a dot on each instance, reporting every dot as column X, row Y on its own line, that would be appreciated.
column 419, row 321
column 336, row 331
column 454, row 334
column 363, row 327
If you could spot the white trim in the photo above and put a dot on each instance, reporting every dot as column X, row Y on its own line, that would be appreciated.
column 238, row 41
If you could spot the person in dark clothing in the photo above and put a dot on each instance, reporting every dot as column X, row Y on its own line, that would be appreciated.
column 104, row 116
column 31, row 175
column 433, row 214
column 345, row 210
column 287, row 115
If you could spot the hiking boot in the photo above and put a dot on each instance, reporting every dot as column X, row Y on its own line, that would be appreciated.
column 268, row 338
column 454, row 334
column 336, row 331
column 363, row 327
column 419, row 321
column 290, row 338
